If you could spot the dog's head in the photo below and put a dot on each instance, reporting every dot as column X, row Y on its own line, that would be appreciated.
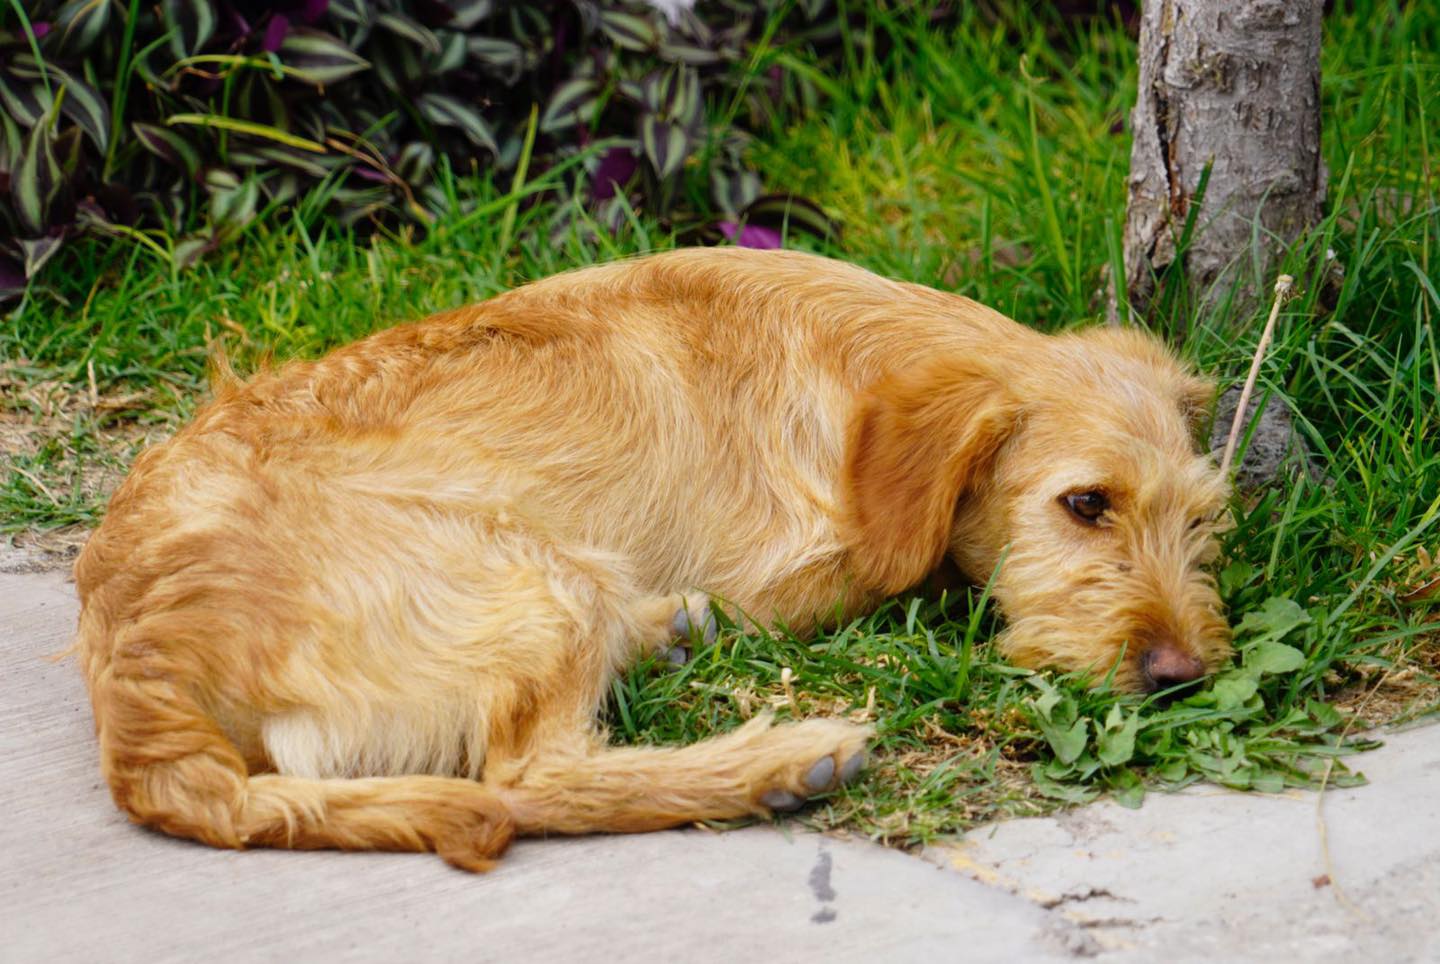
column 1071, row 464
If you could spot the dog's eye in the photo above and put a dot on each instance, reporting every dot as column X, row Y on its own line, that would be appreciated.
column 1203, row 520
column 1088, row 507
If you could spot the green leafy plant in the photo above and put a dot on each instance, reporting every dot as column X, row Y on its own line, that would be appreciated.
column 176, row 124
column 1239, row 731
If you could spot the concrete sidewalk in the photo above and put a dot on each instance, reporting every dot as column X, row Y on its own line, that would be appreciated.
column 1205, row 874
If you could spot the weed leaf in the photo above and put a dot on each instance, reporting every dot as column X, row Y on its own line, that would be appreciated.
column 1271, row 657
column 1116, row 741
column 1276, row 617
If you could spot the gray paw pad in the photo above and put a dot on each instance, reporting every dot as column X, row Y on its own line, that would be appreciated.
column 683, row 626
column 852, row 767
column 820, row 775
column 677, row 655
column 781, row 800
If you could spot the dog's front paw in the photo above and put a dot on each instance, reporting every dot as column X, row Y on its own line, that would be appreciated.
column 693, row 622
column 808, row 777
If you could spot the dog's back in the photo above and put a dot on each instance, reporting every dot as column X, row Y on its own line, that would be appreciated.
column 706, row 388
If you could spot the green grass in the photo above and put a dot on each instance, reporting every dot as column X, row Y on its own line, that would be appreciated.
column 983, row 159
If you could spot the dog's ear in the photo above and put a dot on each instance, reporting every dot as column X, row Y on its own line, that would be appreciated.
column 918, row 440
column 1196, row 398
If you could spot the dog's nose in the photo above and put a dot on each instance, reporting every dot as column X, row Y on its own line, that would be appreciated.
column 1165, row 665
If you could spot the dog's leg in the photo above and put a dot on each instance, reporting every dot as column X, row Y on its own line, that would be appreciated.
column 754, row 770
column 556, row 775
column 550, row 772
column 170, row 767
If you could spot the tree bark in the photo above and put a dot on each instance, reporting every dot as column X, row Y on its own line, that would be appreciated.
column 1234, row 84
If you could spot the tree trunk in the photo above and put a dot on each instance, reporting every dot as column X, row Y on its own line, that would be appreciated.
column 1234, row 84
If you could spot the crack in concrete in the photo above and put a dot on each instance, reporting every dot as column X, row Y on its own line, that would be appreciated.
column 1079, row 897
column 1129, row 922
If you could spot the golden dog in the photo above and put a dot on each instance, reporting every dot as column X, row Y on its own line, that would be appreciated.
column 375, row 601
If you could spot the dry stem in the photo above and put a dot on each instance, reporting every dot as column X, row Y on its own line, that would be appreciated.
column 1283, row 285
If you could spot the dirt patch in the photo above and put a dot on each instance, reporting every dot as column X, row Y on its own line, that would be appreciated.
column 64, row 446
column 1384, row 696
column 1403, row 682
column 43, row 551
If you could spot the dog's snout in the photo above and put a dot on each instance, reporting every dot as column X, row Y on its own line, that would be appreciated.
column 1167, row 664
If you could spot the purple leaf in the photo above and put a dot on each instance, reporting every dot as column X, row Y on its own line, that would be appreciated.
column 616, row 168
column 275, row 32
column 40, row 250
column 312, row 10
column 12, row 277
column 775, row 78
column 40, row 28
column 750, row 235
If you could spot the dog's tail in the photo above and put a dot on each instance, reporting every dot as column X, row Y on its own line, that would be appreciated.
column 171, row 768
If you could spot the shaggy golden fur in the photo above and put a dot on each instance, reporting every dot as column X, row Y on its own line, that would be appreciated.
column 375, row 601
